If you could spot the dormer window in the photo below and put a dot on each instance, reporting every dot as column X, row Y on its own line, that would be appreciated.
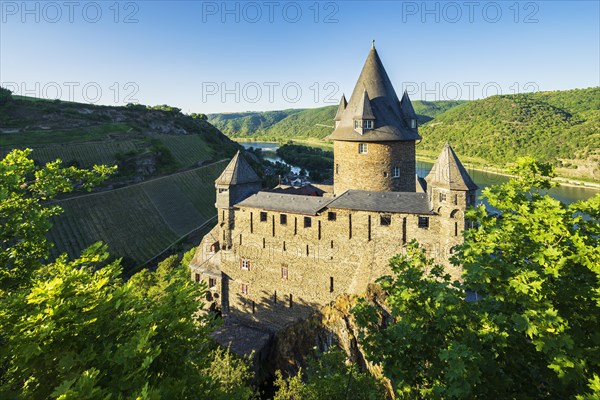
column 361, row 125
column 412, row 123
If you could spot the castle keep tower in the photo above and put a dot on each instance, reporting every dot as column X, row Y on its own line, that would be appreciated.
column 374, row 136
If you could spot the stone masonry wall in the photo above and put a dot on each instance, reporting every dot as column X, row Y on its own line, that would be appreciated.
column 374, row 170
column 322, row 261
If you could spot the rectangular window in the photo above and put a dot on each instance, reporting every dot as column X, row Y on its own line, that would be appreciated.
column 245, row 264
column 423, row 222
column 442, row 197
column 363, row 148
column 244, row 288
column 331, row 284
column 368, row 124
column 337, row 168
column 251, row 222
column 212, row 282
column 284, row 273
column 472, row 199
column 331, row 216
column 263, row 216
column 413, row 123
column 455, row 199
column 291, row 301
column 283, row 219
column 396, row 172
column 307, row 222
column 356, row 124
column 385, row 220
column 197, row 277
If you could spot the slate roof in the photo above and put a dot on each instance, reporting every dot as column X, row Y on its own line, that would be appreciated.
column 390, row 124
column 238, row 171
column 406, row 106
column 341, row 108
column 448, row 172
column 397, row 202
column 364, row 110
column 306, row 190
column 292, row 203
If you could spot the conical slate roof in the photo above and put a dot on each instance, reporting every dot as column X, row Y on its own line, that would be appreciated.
column 364, row 110
column 238, row 171
column 390, row 124
column 341, row 108
column 448, row 172
column 406, row 106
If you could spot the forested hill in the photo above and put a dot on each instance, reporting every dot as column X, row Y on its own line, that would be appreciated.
column 302, row 123
column 561, row 127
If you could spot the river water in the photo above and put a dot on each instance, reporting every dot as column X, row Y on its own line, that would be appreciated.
column 483, row 179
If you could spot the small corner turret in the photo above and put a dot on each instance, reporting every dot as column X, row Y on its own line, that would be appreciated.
column 237, row 182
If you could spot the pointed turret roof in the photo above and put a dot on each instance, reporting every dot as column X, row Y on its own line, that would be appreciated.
column 448, row 172
column 238, row 171
column 389, row 120
column 407, row 107
column 341, row 108
column 364, row 110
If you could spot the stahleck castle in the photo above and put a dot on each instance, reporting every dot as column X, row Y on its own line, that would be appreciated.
column 275, row 255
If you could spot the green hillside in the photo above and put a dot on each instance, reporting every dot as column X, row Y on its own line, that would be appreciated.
column 138, row 221
column 313, row 123
column 559, row 127
column 144, row 142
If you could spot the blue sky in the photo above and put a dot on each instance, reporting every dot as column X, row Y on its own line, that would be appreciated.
column 214, row 56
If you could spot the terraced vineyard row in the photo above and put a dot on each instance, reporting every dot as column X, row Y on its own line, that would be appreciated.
column 86, row 154
column 188, row 150
column 139, row 221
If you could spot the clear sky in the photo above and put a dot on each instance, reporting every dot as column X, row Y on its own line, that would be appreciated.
column 215, row 56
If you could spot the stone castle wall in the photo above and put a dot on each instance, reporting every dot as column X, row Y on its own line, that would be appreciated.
column 373, row 171
column 322, row 261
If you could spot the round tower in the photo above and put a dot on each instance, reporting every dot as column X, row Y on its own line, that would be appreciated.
column 375, row 135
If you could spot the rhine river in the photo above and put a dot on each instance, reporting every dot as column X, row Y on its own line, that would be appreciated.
column 566, row 194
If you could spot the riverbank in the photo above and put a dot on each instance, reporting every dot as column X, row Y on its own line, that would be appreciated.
column 427, row 156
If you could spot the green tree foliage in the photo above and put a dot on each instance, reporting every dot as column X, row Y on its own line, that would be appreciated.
column 533, row 331
column 5, row 95
column 165, row 108
column 317, row 162
column 74, row 329
column 329, row 377
column 24, row 216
